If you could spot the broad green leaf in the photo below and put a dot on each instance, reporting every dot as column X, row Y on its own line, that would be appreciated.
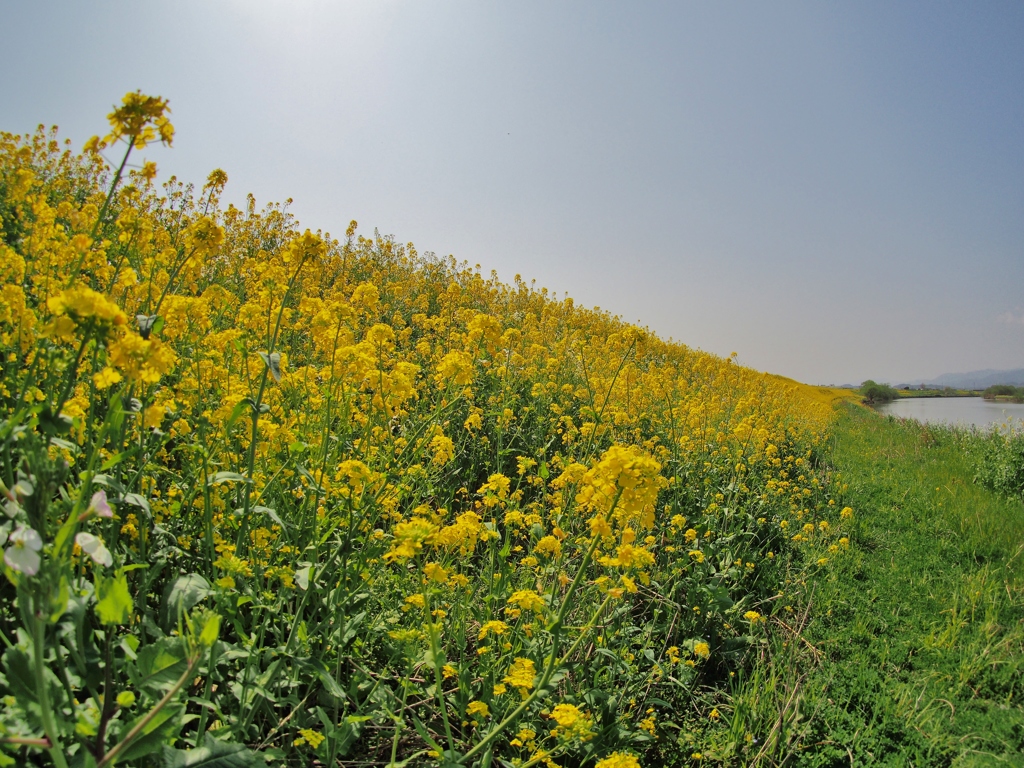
column 18, row 671
column 51, row 425
column 210, row 630
column 160, row 664
column 186, row 592
column 137, row 501
column 212, row 754
column 113, row 600
column 66, row 445
column 163, row 727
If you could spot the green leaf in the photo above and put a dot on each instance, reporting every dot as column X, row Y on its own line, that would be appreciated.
column 721, row 597
column 227, row 477
column 107, row 481
column 20, row 679
column 113, row 600
column 83, row 759
column 66, row 445
column 114, row 460
column 653, row 702
column 330, row 684
column 159, row 665
column 312, row 480
column 236, row 413
column 271, row 513
column 211, row 629
column 59, row 600
column 421, row 729
column 351, row 628
column 186, row 592
column 50, row 424
column 212, row 754
column 115, row 412
column 137, row 501
column 163, row 727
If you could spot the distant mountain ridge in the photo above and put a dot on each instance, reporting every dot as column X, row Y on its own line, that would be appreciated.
column 977, row 379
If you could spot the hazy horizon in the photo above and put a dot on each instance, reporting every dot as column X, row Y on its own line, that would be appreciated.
column 835, row 192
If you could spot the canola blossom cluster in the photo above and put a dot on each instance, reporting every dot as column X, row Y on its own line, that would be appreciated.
column 288, row 498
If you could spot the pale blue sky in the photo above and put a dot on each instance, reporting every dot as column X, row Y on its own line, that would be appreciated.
column 834, row 191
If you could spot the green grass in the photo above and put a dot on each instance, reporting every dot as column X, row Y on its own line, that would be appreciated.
column 909, row 648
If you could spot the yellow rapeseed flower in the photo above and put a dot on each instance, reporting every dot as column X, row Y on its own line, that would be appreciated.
column 618, row 760
column 521, row 676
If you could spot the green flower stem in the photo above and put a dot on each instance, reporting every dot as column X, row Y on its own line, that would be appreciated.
column 72, row 374
column 209, row 691
column 435, row 651
column 584, row 630
column 243, row 529
column 110, row 194
column 103, row 211
column 604, row 405
column 553, row 660
column 42, row 690
column 399, row 723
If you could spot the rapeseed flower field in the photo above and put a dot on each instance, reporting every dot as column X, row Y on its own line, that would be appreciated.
column 278, row 498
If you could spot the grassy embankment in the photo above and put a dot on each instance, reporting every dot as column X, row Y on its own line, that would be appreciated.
column 912, row 644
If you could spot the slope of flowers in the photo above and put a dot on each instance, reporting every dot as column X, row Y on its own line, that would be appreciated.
column 280, row 497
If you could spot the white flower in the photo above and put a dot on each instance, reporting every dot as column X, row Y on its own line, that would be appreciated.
column 99, row 505
column 22, row 553
column 94, row 547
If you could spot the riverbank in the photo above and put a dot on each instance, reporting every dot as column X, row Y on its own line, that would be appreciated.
column 909, row 648
column 929, row 393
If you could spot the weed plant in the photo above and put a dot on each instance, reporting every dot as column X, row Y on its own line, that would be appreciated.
column 998, row 456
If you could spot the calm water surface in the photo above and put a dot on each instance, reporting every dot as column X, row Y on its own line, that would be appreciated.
column 966, row 411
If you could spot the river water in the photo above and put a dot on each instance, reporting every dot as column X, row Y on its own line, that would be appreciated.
column 966, row 411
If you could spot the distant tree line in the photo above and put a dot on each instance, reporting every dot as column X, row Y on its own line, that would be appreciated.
column 1004, row 392
column 877, row 393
